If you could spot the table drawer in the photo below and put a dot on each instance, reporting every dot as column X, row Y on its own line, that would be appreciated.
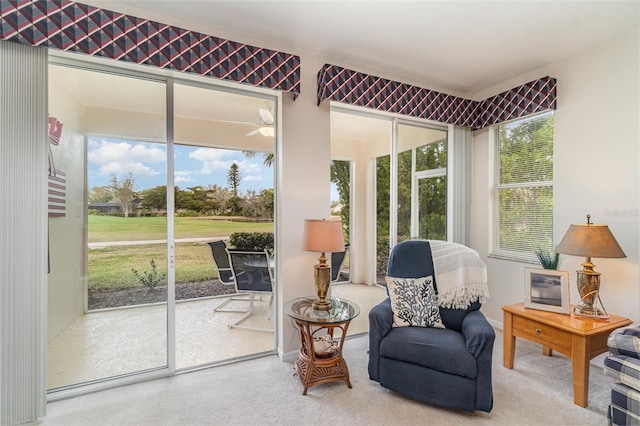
column 542, row 333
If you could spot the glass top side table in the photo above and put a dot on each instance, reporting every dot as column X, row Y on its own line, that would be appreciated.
column 320, row 358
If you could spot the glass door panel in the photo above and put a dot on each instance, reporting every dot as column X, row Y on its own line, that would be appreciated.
column 432, row 208
column 224, row 192
column 421, row 171
column 107, row 309
column 341, row 209
column 383, row 216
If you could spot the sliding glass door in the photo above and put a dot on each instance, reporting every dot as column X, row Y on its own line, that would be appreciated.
column 144, row 172
column 107, row 312
column 224, row 192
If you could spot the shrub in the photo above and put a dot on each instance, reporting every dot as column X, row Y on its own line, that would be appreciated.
column 188, row 213
column 382, row 258
column 252, row 241
column 150, row 279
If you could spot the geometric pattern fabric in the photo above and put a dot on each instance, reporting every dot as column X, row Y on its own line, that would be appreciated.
column 76, row 27
column 356, row 88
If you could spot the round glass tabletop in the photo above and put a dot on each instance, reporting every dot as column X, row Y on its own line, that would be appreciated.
column 341, row 310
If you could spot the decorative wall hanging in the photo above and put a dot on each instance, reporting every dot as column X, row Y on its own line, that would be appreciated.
column 57, row 193
column 75, row 27
column 57, row 180
column 356, row 88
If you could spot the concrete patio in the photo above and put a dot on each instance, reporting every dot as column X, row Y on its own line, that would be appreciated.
column 114, row 342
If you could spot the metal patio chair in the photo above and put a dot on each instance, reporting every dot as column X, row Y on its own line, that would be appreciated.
column 254, row 278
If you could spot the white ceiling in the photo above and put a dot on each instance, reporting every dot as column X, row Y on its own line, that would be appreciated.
column 463, row 46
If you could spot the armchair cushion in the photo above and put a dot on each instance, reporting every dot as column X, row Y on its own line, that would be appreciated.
column 625, row 341
column 624, row 369
column 414, row 302
column 440, row 350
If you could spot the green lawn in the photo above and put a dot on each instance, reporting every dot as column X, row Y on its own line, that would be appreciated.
column 113, row 228
column 111, row 267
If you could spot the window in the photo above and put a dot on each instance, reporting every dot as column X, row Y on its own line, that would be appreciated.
column 522, row 187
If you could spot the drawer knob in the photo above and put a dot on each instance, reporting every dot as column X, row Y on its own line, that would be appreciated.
column 538, row 330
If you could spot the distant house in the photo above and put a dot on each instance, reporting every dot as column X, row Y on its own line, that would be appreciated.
column 113, row 207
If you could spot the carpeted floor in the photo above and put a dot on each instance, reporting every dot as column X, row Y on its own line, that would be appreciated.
column 264, row 391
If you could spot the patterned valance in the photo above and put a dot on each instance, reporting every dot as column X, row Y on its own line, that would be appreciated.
column 76, row 27
column 356, row 88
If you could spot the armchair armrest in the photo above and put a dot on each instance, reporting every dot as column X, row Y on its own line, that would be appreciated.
column 478, row 333
column 380, row 321
column 479, row 337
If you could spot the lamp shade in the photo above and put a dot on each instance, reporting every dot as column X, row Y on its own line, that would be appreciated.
column 323, row 235
column 590, row 240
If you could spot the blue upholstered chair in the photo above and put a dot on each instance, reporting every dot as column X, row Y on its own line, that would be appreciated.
column 449, row 367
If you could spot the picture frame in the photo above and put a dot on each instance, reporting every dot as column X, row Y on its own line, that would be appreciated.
column 547, row 290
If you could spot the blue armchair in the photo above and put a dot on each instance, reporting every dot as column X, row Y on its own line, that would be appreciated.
column 449, row 367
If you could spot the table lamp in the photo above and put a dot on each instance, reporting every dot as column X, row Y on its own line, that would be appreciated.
column 322, row 236
column 590, row 240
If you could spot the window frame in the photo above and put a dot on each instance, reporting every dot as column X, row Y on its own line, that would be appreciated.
column 494, row 193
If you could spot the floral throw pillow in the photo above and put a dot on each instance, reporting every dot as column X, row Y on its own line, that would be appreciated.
column 414, row 302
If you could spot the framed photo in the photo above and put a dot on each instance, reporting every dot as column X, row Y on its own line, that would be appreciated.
column 547, row 290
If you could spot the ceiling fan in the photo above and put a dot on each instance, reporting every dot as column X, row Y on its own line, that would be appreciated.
column 266, row 124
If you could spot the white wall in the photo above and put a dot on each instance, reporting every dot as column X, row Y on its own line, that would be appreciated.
column 596, row 156
column 66, row 234
column 303, row 192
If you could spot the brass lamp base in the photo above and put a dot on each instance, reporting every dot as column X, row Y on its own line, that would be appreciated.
column 322, row 278
column 589, row 288
column 321, row 305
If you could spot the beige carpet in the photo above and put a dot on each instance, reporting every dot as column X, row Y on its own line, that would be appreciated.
column 264, row 391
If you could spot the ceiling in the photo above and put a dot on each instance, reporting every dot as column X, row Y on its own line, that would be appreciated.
column 459, row 46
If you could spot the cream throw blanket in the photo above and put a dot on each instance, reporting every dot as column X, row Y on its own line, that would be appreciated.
column 461, row 277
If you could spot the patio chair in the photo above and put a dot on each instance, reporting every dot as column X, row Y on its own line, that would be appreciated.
column 253, row 277
column 225, row 273
column 337, row 261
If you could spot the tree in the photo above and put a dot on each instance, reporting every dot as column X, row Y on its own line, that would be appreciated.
column 234, row 178
column 123, row 192
column 155, row 198
column 267, row 157
column 100, row 194
column 340, row 175
column 219, row 197
column 258, row 205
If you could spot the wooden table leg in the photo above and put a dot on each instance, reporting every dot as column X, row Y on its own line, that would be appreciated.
column 509, row 340
column 546, row 350
column 580, row 369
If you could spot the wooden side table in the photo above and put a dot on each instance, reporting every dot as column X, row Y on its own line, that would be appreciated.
column 578, row 338
column 314, row 369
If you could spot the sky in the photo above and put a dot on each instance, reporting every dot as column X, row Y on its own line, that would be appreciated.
column 194, row 166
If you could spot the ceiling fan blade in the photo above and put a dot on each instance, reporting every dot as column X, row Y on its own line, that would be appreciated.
column 266, row 115
column 243, row 123
column 266, row 131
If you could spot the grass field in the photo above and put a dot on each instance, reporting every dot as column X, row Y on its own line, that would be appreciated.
column 114, row 228
column 110, row 267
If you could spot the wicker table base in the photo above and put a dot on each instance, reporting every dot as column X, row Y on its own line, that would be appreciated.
column 319, row 326
column 314, row 370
